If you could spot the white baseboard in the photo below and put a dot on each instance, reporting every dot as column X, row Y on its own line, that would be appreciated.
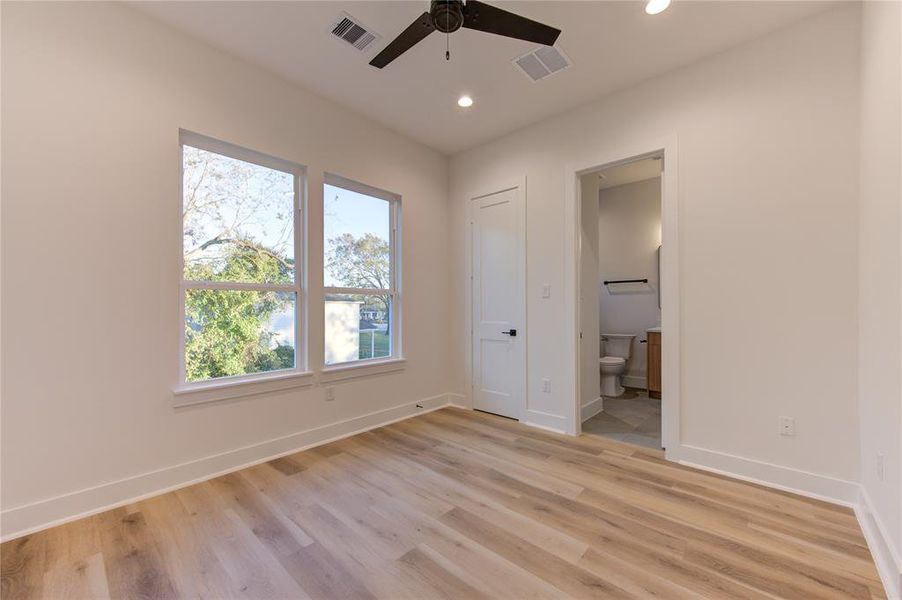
column 634, row 381
column 459, row 401
column 590, row 409
column 804, row 483
column 544, row 420
column 821, row 487
column 29, row 518
column 886, row 556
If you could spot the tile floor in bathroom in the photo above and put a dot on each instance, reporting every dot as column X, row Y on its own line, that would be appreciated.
column 633, row 418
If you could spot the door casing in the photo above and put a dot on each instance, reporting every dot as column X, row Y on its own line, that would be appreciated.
column 669, row 273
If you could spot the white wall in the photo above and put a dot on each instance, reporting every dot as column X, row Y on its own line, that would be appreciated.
column 880, row 266
column 93, row 96
column 767, row 255
column 590, row 372
column 629, row 226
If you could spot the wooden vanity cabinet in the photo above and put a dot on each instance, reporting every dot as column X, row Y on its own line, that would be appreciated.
column 654, row 364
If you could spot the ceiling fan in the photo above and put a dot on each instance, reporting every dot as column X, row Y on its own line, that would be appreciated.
column 447, row 16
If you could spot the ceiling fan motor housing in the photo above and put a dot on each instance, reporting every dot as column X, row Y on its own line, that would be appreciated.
column 447, row 15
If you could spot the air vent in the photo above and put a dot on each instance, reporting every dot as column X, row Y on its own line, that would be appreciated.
column 352, row 31
column 542, row 62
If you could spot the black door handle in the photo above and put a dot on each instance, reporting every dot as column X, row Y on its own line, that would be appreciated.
column 512, row 333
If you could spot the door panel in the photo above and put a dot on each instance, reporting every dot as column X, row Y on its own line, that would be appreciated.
column 499, row 367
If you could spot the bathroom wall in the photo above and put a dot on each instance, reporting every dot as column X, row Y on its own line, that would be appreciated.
column 590, row 373
column 629, row 233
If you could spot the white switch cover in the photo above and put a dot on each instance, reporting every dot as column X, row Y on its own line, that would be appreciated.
column 787, row 426
column 546, row 385
column 546, row 290
column 330, row 394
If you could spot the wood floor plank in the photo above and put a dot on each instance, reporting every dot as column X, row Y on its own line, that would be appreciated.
column 132, row 561
column 22, row 565
column 441, row 581
column 455, row 504
column 83, row 578
column 195, row 570
column 563, row 575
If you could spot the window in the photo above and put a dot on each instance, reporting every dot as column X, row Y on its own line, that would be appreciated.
column 360, row 262
column 242, row 263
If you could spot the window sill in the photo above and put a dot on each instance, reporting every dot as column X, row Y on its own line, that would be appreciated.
column 226, row 390
column 361, row 369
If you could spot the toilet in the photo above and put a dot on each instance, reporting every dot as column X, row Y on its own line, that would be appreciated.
column 615, row 353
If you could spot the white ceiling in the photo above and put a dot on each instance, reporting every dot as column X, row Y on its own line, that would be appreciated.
column 612, row 45
column 639, row 170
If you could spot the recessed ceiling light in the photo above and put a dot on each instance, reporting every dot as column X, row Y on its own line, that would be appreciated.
column 465, row 101
column 654, row 7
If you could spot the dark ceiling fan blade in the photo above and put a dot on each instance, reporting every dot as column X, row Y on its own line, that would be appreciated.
column 482, row 17
column 408, row 38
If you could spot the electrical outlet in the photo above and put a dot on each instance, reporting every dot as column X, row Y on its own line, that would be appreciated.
column 787, row 426
column 546, row 385
column 881, row 472
column 546, row 290
column 330, row 394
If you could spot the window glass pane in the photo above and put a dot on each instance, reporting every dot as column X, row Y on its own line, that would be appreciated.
column 357, row 327
column 230, row 332
column 356, row 239
column 238, row 220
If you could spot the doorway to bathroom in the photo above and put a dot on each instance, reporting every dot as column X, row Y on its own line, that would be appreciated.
column 621, row 229
column 627, row 366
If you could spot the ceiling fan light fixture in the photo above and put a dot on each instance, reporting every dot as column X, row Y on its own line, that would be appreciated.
column 654, row 7
column 465, row 102
column 447, row 16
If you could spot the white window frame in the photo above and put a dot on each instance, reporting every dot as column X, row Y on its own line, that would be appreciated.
column 395, row 360
column 220, row 388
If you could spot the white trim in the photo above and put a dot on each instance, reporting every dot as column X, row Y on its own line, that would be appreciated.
column 590, row 409
column 517, row 183
column 235, row 151
column 797, row 481
column 670, row 292
column 36, row 516
column 885, row 555
column 361, row 188
column 458, row 401
column 357, row 291
column 544, row 420
column 230, row 388
column 395, row 279
column 234, row 387
column 811, row 485
column 361, row 368
column 237, row 285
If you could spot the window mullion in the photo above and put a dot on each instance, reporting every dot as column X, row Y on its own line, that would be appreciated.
column 357, row 291
column 239, row 286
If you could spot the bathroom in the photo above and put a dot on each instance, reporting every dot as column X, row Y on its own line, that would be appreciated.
column 621, row 343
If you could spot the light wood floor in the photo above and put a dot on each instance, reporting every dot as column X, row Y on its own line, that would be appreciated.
column 455, row 504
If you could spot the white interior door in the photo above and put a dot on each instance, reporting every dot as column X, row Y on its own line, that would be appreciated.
column 499, row 302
